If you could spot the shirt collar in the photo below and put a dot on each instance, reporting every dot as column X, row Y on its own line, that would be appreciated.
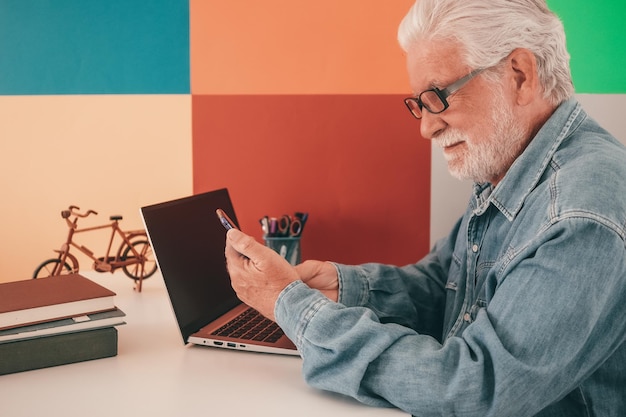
column 509, row 195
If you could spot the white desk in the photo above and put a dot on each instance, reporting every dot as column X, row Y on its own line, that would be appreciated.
column 154, row 374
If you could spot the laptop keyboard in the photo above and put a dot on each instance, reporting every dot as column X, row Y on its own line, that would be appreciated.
column 251, row 325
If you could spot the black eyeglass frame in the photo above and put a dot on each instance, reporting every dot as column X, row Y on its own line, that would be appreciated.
column 441, row 94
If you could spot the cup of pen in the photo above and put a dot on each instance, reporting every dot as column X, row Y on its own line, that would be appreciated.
column 283, row 235
column 288, row 247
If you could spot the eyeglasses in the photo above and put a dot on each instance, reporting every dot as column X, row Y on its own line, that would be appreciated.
column 434, row 100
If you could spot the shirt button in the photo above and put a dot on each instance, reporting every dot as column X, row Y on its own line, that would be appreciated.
column 474, row 248
column 467, row 317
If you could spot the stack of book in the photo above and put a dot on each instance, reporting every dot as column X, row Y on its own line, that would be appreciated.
column 55, row 321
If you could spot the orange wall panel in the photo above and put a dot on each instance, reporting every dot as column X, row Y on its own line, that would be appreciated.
column 297, row 47
column 356, row 163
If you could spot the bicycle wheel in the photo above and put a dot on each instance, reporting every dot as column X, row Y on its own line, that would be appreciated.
column 46, row 268
column 149, row 266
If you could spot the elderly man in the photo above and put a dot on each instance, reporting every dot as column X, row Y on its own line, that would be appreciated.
column 521, row 310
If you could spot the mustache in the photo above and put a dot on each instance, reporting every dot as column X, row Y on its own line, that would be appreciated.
column 449, row 137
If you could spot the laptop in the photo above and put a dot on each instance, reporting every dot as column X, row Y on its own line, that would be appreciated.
column 188, row 242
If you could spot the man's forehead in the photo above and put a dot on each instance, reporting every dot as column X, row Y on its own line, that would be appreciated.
column 433, row 63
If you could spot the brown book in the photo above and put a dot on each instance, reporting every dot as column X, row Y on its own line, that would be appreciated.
column 53, row 298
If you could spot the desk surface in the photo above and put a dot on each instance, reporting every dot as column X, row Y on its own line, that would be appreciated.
column 155, row 374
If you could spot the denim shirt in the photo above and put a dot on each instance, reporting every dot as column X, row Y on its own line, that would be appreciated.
column 520, row 311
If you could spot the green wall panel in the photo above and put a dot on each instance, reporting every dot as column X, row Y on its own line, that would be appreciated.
column 596, row 40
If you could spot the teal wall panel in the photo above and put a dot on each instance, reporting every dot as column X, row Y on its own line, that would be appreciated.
column 94, row 47
column 596, row 40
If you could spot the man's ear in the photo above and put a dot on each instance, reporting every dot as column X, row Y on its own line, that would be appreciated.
column 523, row 66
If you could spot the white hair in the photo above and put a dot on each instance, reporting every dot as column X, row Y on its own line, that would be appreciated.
column 489, row 30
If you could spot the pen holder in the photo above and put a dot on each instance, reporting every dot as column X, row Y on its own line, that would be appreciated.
column 287, row 247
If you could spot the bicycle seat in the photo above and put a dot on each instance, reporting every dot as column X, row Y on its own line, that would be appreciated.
column 116, row 217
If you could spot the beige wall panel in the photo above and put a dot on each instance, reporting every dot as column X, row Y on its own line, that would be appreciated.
column 110, row 153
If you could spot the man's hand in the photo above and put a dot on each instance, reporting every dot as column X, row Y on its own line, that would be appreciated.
column 257, row 273
column 320, row 275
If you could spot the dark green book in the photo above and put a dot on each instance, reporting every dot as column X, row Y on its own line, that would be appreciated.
column 61, row 349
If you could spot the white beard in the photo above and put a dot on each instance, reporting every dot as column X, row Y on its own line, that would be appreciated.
column 488, row 159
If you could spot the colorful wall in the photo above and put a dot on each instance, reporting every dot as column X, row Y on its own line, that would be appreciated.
column 292, row 105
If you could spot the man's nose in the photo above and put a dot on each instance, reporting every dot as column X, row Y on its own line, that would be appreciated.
column 431, row 124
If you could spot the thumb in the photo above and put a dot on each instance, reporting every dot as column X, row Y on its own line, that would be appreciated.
column 243, row 243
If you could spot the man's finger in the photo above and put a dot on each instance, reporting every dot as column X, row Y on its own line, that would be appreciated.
column 241, row 242
column 248, row 247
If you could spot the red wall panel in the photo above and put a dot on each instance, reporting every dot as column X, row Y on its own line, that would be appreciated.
column 356, row 163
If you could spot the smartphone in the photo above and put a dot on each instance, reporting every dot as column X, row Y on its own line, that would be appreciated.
column 225, row 220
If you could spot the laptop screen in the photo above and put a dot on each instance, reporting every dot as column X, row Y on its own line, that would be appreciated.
column 188, row 241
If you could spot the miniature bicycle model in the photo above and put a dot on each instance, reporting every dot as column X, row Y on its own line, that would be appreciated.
column 134, row 254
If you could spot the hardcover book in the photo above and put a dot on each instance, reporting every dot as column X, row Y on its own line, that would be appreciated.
column 53, row 298
column 69, row 325
column 61, row 349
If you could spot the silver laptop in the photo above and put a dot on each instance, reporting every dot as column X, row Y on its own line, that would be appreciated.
column 188, row 242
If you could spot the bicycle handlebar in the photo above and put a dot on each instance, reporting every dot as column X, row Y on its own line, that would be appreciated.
column 73, row 211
